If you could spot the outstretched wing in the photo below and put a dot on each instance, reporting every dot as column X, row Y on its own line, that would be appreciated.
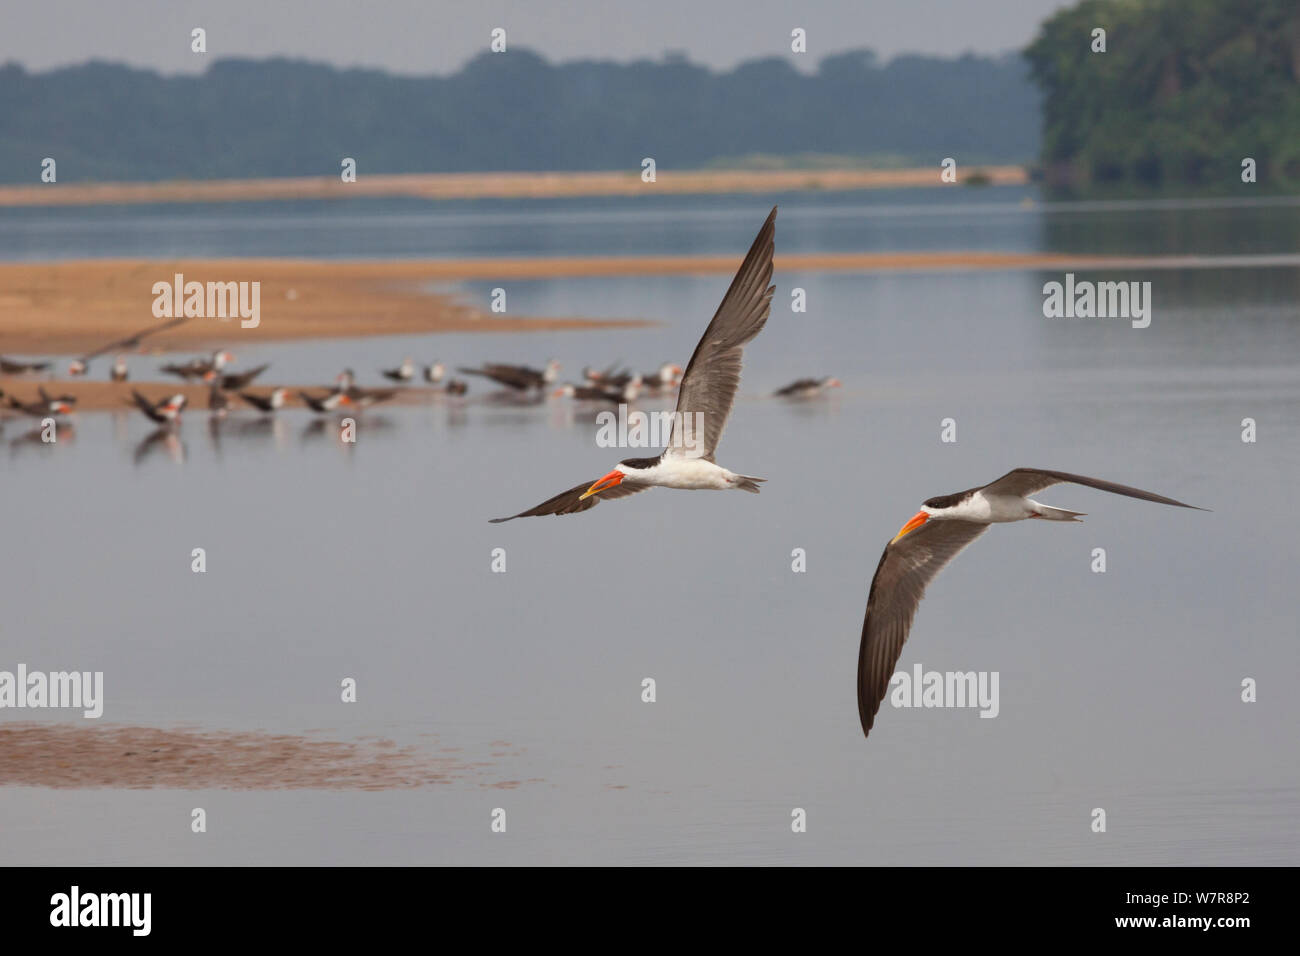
column 712, row 376
column 1027, row 481
column 906, row 568
column 132, row 340
column 568, row 503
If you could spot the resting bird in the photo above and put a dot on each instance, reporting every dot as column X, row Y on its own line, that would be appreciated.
column 166, row 411
column 519, row 377
column 806, row 387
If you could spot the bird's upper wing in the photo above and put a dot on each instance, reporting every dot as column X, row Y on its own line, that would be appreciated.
column 713, row 374
column 905, row 569
column 132, row 340
column 568, row 503
column 1027, row 481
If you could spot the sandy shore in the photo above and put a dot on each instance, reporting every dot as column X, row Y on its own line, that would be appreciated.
column 67, row 308
column 99, row 396
column 536, row 185
column 123, row 757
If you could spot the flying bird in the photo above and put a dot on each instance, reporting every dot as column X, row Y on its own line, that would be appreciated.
column 928, row 541
column 81, row 365
column 708, row 391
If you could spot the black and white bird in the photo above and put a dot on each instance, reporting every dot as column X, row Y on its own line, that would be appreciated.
column 928, row 541
column 324, row 404
column 667, row 376
column 519, row 377
column 218, row 401
column 403, row 373
column 47, row 406
column 234, row 381
column 204, row 369
column 81, row 365
column 166, row 411
column 266, row 404
column 13, row 367
column 346, row 383
column 624, row 393
column 807, row 387
column 708, row 391
column 118, row 373
column 64, row 399
column 433, row 373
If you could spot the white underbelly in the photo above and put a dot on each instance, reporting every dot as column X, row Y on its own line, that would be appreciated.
column 691, row 474
column 1006, row 508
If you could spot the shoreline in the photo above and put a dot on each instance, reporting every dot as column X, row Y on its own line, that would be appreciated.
column 99, row 396
column 505, row 185
column 76, row 306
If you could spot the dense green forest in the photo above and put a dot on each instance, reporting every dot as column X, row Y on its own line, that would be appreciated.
column 1184, row 92
column 509, row 111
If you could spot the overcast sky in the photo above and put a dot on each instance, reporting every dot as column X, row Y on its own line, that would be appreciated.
column 437, row 36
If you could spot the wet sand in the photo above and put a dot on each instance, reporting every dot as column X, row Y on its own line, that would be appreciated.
column 535, row 185
column 77, row 306
column 63, row 756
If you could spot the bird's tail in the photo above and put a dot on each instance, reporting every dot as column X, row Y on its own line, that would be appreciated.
column 1057, row 514
column 748, row 483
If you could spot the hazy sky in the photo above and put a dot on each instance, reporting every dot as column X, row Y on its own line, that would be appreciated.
column 437, row 36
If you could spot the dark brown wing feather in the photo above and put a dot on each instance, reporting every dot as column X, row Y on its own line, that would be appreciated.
column 1028, row 481
column 132, row 340
column 567, row 503
column 713, row 373
column 905, row 569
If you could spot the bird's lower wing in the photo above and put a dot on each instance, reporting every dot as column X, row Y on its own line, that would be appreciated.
column 571, row 501
column 905, row 569
column 1027, row 481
